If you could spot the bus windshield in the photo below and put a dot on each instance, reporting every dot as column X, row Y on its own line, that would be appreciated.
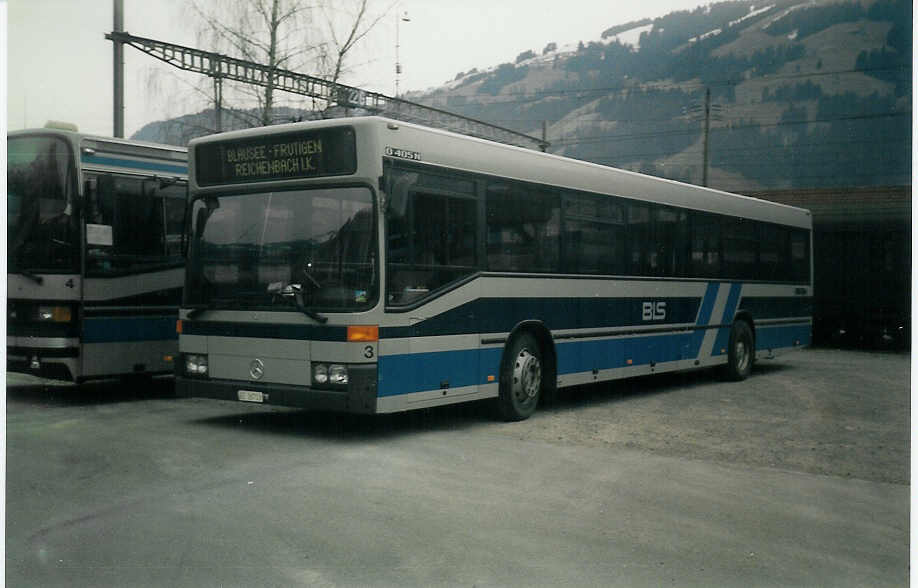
column 312, row 248
column 43, row 232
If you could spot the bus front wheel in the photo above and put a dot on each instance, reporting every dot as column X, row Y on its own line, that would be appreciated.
column 741, row 352
column 520, row 378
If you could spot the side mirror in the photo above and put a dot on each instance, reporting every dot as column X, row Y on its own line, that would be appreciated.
column 291, row 290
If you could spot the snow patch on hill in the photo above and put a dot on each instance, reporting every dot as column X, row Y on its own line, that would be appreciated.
column 631, row 37
column 753, row 12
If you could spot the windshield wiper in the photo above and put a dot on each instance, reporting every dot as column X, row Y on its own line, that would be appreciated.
column 295, row 291
column 213, row 304
column 27, row 274
column 311, row 313
column 197, row 309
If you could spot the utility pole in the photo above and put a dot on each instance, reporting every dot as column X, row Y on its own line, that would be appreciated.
column 707, row 131
column 218, row 104
column 398, row 64
column 118, row 76
column 218, row 100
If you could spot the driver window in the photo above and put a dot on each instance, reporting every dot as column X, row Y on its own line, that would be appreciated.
column 433, row 246
column 133, row 224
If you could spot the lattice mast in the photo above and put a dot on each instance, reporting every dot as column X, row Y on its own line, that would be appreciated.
column 222, row 67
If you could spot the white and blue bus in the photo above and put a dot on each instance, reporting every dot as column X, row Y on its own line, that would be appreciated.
column 374, row 266
column 94, row 252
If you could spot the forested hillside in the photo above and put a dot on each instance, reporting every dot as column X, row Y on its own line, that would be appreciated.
column 802, row 94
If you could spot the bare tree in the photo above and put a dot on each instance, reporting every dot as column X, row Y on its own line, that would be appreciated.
column 312, row 38
column 263, row 31
column 345, row 25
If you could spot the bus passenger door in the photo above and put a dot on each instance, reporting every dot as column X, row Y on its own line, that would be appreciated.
column 133, row 273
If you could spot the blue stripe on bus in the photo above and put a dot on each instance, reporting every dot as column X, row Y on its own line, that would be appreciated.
column 495, row 315
column 265, row 330
column 401, row 374
column 607, row 354
column 704, row 317
column 127, row 329
column 406, row 373
column 134, row 164
column 782, row 336
column 423, row 372
column 501, row 315
column 762, row 307
column 723, row 334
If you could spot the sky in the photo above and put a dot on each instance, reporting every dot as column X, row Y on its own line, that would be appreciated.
column 59, row 64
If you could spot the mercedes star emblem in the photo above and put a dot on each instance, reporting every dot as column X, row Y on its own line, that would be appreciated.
column 257, row 369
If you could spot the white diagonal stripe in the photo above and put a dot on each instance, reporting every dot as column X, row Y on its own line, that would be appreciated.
column 720, row 303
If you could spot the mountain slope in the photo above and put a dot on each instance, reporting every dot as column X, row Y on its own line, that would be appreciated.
column 803, row 94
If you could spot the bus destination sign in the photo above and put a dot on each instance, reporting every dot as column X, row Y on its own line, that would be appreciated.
column 324, row 152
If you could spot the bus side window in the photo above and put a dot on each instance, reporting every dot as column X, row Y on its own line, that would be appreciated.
column 173, row 201
column 740, row 248
column 99, row 217
column 594, row 235
column 101, row 205
column 705, row 248
column 800, row 255
column 774, row 255
column 524, row 228
column 141, row 231
column 642, row 258
column 669, row 241
column 435, row 245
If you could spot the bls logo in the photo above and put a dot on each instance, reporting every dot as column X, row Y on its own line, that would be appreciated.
column 653, row 311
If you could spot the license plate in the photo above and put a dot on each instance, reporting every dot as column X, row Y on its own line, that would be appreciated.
column 251, row 396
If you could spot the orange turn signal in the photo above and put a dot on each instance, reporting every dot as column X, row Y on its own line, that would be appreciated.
column 178, row 326
column 363, row 333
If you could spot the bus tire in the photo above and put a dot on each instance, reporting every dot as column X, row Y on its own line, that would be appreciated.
column 521, row 381
column 741, row 353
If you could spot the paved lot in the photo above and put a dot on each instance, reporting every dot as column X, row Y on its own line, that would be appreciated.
column 797, row 477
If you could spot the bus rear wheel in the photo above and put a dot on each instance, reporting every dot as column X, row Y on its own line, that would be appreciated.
column 741, row 354
column 520, row 378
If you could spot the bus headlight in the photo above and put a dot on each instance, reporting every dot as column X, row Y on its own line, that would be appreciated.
column 54, row 314
column 324, row 374
column 337, row 374
column 196, row 365
column 320, row 374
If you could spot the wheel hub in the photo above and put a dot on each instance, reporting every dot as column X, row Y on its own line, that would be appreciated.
column 527, row 375
column 742, row 356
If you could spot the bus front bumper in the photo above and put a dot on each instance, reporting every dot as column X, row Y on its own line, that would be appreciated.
column 54, row 361
column 358, row 397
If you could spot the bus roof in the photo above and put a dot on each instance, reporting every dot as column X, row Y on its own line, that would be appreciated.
column 77, row 136
column 460, row 152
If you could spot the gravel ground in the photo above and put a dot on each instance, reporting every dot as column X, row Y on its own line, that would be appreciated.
column 796, row 477
column 824, row 411
column 832, row 412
